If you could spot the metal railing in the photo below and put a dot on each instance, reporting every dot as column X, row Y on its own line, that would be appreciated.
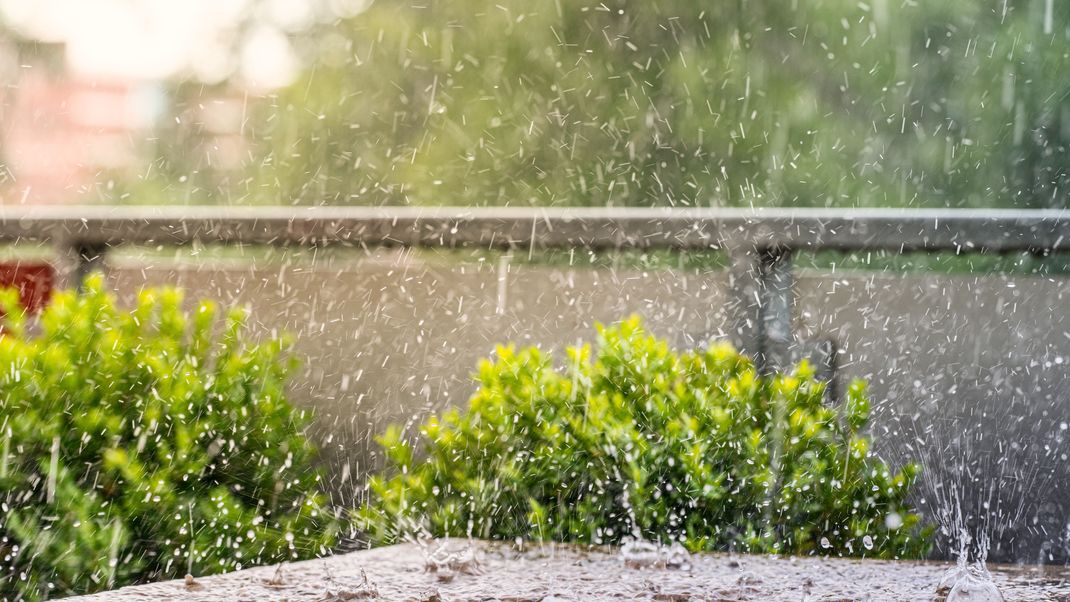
column 759, row 243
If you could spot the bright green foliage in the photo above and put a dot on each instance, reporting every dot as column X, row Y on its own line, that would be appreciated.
column 643, row 440
column 141, row 445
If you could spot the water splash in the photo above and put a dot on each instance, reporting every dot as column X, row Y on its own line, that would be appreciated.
column 637, row 552
column 446, row 561
column 640, row 553
column 975, row 586
column 967, row 582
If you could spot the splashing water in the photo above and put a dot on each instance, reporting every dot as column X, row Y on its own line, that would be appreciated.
column 969, row 583
column 446, row 561
column 640, row 553
column 637, row 552
column 975, row 586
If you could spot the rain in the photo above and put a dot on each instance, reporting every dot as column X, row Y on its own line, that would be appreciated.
column 661, row 300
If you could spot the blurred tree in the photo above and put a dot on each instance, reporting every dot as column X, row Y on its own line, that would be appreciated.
column 670, row 102
column 200, row 152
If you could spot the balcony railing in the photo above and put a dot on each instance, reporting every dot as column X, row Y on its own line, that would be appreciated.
column 759, row 243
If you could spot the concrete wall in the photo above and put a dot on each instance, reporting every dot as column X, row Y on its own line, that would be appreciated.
column 967, row 372
column 970, row 377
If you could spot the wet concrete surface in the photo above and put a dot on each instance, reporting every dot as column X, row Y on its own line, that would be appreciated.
column 459, row 571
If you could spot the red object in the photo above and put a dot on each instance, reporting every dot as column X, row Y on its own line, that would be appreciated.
column 34, row 280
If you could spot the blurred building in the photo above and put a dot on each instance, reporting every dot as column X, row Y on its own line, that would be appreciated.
column 204, row 131
column 67, row 138
column 63, row 134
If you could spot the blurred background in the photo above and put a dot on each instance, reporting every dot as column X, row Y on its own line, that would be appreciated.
column 667, row 102
column 824, row 103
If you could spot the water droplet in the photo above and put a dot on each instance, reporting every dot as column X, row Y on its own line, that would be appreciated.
column 893, row 521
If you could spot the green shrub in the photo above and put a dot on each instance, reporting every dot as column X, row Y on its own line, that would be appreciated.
column 643, row 440
column 141, row 445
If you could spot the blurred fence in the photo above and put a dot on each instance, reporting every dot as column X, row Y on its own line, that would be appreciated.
column 967, row 371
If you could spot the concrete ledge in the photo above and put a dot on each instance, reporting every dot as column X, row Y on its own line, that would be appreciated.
column 554, row 573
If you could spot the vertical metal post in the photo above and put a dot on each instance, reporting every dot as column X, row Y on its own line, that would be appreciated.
column 744, row 290
column 762, row 303
column 825, row 358
column 778, row 309
column 75, row 261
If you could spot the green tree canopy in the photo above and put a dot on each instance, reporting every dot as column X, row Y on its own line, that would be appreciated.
column 829, row 103
column 670, row 102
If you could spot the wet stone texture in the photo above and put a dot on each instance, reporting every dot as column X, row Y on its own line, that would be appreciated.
column 548, row 573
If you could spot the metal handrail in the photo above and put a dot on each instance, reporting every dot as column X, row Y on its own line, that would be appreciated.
column 958, row 230
column 760, row 242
